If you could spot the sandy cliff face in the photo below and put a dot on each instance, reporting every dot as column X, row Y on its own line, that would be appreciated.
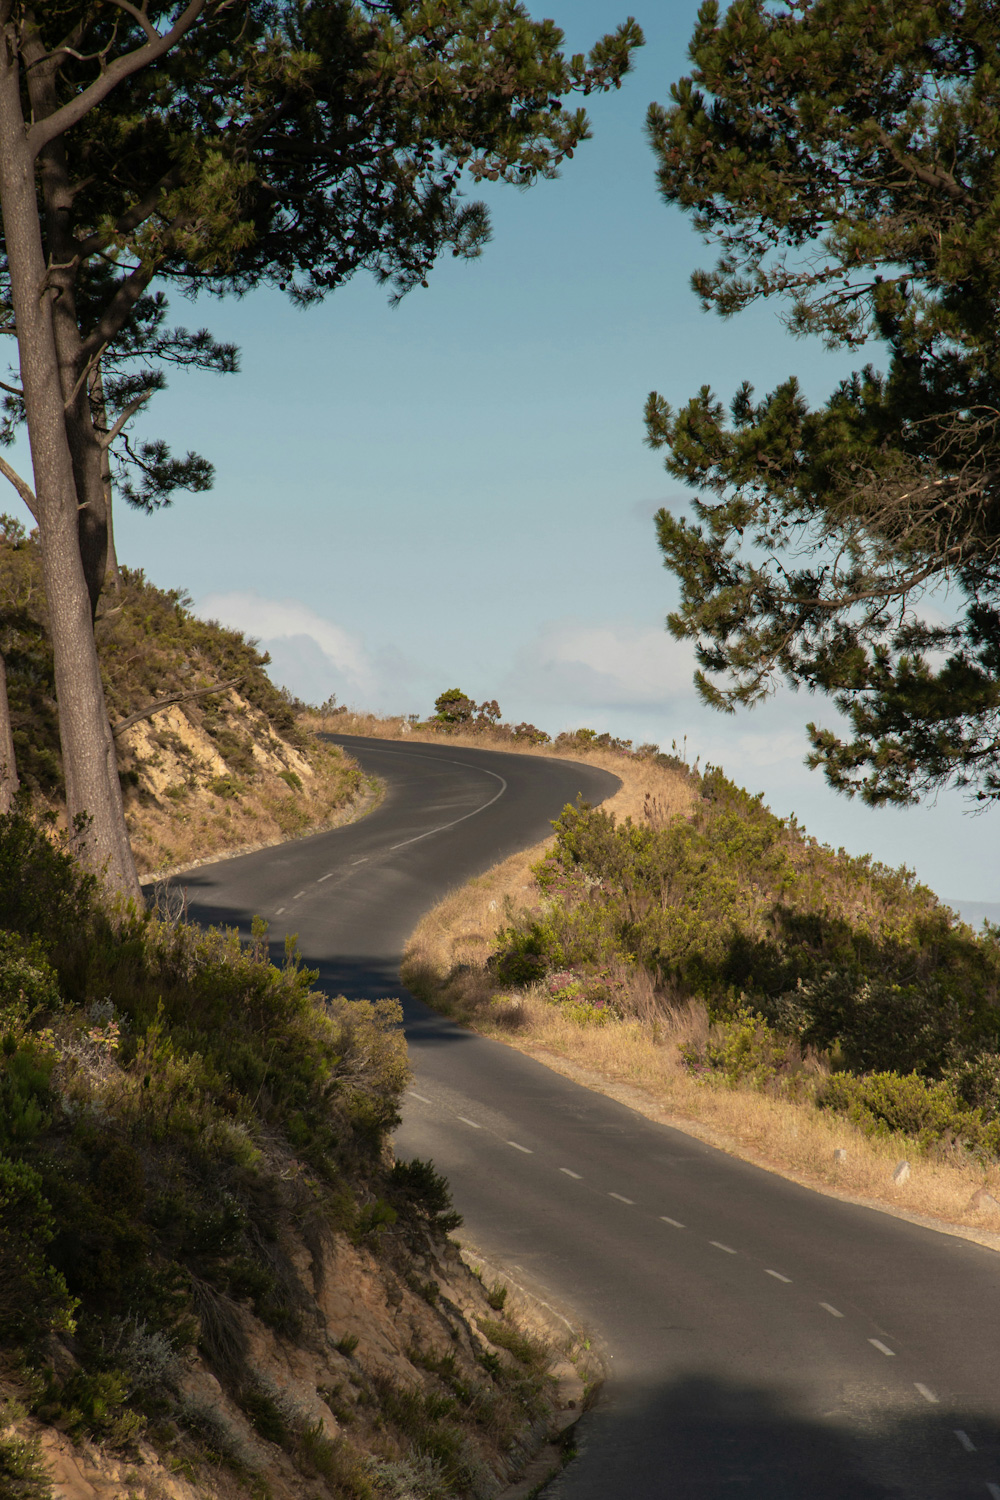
column 404, row 1381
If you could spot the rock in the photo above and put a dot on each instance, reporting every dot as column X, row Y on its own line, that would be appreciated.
column 840, row 1154
column 983, row 1202
column 901, row 1173
column 65, row 1473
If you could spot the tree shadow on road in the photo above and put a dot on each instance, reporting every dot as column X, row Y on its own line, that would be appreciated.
column 703, row 1438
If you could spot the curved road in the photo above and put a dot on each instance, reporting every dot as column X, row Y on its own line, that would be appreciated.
column 767, row 1342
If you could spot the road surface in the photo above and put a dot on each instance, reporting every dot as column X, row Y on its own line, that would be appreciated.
column 766, row 1342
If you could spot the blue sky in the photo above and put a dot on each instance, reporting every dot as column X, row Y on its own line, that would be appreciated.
column 456, row 492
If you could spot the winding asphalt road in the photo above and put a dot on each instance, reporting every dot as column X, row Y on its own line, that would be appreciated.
column 766, row 1342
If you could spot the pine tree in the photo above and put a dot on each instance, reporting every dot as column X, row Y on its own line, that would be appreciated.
column 845, row 158
column 225, row 145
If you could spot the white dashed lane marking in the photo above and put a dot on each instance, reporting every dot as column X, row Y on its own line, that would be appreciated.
column 279, row 911
column 965, row 1440
column 675, row 1222
column 568, row 1173
column 474, row 1123
column 831, row 1310
column 297, row 897
column 630, row 1201
column 927, row 1394
column 526, row 1149
column 720, row 1246
column 325, row 877
column 882, row 1348
column 414, row 1095
column 778, row 1276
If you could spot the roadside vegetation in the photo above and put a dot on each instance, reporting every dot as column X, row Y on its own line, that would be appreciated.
column 822, row 1013
column 201, row 776
column 212, row 1275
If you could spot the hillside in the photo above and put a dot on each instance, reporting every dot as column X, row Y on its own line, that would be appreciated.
column 201, row 776
column 214, row 1280
column 823, row 1014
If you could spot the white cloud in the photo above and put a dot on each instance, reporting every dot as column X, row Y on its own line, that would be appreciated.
column 316, row 643
column 613, row 664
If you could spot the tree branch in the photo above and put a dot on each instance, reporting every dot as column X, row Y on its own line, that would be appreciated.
column 147, row 713
column 125, row 416
column 26, row 493
column 44, row 131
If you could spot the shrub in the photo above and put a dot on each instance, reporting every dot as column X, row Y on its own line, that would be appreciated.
column 23, row 1474
column 417, row 1188
column 744, row 1050
column 928, row 1111
column 453, row 707
column 34, row 1298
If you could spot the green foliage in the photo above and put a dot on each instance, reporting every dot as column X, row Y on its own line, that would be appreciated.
column 843, row 156
column 454, row 707
column 34, row 1299
column 742, row 1051
column 497, row 1296
column 419, row 1188
column 790, row 945
column 168, row 1099
column 925, row 1110
column 525, row 1350
column 831, row 949
column 23, row 1475
column 150, row 648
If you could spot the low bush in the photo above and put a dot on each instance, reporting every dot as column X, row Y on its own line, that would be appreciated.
column 796, row 951
column 169, row 1098
column 927, row 1111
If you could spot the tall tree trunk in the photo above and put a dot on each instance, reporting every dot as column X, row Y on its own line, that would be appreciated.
column 99, row 408
column 76, row 373
column 8, row 765
column 93, row 792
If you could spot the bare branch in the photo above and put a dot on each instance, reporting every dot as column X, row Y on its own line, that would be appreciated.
column 147, row 713
column 25, row 491
column 125, row 416
column 84, row 373
column 138, row 15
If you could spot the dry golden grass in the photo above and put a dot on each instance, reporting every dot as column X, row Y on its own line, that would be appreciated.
column 638, row 1060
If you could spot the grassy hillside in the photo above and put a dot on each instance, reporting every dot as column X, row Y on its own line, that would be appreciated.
column 213, row 1279
column 200, row 776
column 822, row 1013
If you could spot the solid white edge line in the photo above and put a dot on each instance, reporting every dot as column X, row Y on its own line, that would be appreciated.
column 414, row 1095
column 629, row 1201
column 965, row 1440
column 455, row 821
column 526, row 1149
column 720, row 1246
column 465, row 1121
column 927, row 1394
column 882, row 1348
column 574, row 1175
column 675, row 1222
column 831, row 1310
column 778, row 1277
